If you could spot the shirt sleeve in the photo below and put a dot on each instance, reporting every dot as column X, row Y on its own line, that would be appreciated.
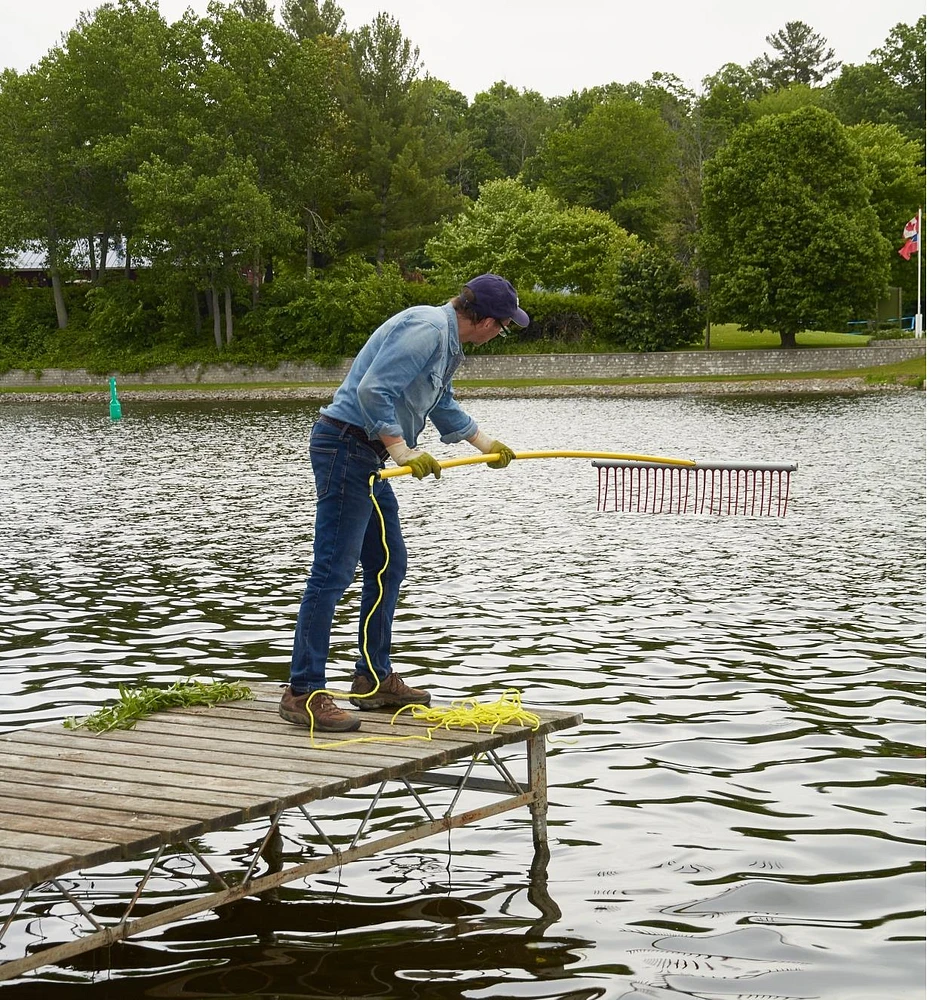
column 452, row 422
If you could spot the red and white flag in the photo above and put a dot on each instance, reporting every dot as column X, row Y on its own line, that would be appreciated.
column 912, row 237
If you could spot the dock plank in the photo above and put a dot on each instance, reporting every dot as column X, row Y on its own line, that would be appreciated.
column 30, row 802
column 88, row 832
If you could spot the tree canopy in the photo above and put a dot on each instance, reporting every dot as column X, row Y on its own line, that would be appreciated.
column 790, row 236
column 259, row 146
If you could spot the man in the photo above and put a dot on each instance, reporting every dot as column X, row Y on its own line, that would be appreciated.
column 400, row 378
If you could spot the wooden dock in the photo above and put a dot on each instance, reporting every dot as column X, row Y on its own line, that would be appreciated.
column 72, row 800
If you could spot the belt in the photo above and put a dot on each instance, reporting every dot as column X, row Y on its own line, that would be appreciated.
column 356, row 432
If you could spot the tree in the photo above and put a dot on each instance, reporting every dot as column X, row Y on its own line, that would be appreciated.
column 40, row 167
column 803, row 57
column 787, row 99
column 116, row 64
column 255, row 10
column 725, row 97
column 206, row 216
column 896, row 180
column 889, row 88
column 531, row 238
column 616, row 161
column 507, row 127
column 306, row 19
column 400, row 153
column 788, row 232
column 273, row 96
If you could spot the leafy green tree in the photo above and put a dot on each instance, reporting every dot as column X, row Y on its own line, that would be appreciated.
column 575, row 107
column 207, row 216
column 255, row 10
column 116, row 64
column 788, row 232
column 801, row 56
column 655, row 309
column 531, row 238
column 400, row 153
column 274, row 97
column 787, row 99
column 890, row 87
column 507, row 126
column 616, row 161
column 896, row 180
column 306, row 19
column 41, row 167
column 725, row 99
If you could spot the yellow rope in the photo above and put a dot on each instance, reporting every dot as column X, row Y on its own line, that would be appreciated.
column 468, row 713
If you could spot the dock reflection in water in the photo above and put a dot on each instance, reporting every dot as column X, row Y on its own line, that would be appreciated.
column 741, row 814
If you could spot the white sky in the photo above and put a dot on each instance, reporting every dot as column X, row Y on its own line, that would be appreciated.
column 551, row 47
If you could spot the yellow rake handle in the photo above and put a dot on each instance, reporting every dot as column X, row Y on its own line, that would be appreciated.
column 453, row 463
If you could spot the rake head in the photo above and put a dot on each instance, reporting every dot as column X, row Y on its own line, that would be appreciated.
column 755, row 489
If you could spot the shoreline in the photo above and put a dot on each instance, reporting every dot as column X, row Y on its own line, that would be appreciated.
column 754, row 387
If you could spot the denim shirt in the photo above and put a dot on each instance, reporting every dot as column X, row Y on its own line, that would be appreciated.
column 402, row 376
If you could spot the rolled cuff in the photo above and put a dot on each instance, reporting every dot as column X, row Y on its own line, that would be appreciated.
column 390, row 430
column 467, row 431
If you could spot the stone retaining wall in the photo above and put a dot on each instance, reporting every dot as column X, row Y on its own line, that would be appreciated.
column 524, row 366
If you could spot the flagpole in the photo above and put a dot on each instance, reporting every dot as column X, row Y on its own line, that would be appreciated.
column 918, row 319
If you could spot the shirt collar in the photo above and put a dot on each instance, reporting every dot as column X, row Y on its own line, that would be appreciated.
column 454, row 338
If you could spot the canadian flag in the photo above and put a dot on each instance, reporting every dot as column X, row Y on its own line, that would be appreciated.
column 910, row 229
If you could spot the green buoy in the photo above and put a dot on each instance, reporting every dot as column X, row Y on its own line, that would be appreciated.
column 115, row 407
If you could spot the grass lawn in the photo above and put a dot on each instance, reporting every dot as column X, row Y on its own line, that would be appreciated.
column 729, row 337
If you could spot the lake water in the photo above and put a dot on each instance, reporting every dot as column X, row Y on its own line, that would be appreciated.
column 739, row 816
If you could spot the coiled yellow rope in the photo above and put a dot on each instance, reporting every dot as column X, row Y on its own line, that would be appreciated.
column 468, row 713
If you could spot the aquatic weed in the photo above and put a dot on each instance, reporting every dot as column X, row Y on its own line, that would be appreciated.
column 138, row 703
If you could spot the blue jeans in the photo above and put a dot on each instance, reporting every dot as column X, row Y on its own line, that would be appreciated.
column 347, row 532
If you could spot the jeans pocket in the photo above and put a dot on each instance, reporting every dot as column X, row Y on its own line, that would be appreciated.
column 323, row 462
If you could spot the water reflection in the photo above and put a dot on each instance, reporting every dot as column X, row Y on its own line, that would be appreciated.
column 741, row 814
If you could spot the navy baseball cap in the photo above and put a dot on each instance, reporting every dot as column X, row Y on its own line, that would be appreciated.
column 494, row 296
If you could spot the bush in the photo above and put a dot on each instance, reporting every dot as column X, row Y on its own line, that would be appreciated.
column 328, row 317
column 123, row 315
column 27, row 323
column 652, row 309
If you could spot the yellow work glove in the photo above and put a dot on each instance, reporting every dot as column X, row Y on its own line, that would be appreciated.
column 420, row 462
column 484, row 443
column 505, row 455
column 423, row 465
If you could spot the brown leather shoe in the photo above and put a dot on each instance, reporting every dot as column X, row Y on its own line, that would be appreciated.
column 392, row 693
column 322, row 709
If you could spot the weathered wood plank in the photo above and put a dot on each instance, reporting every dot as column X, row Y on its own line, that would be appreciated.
column 88, row 792
column 30, row 867
column 31, row 861
column 128, row 782
column 457, row 743
column 202, row 758
column 16, row 841
column 72, row 799
column 154, row 771
column 27, row 800
column 254, row 749
column 137, row 839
